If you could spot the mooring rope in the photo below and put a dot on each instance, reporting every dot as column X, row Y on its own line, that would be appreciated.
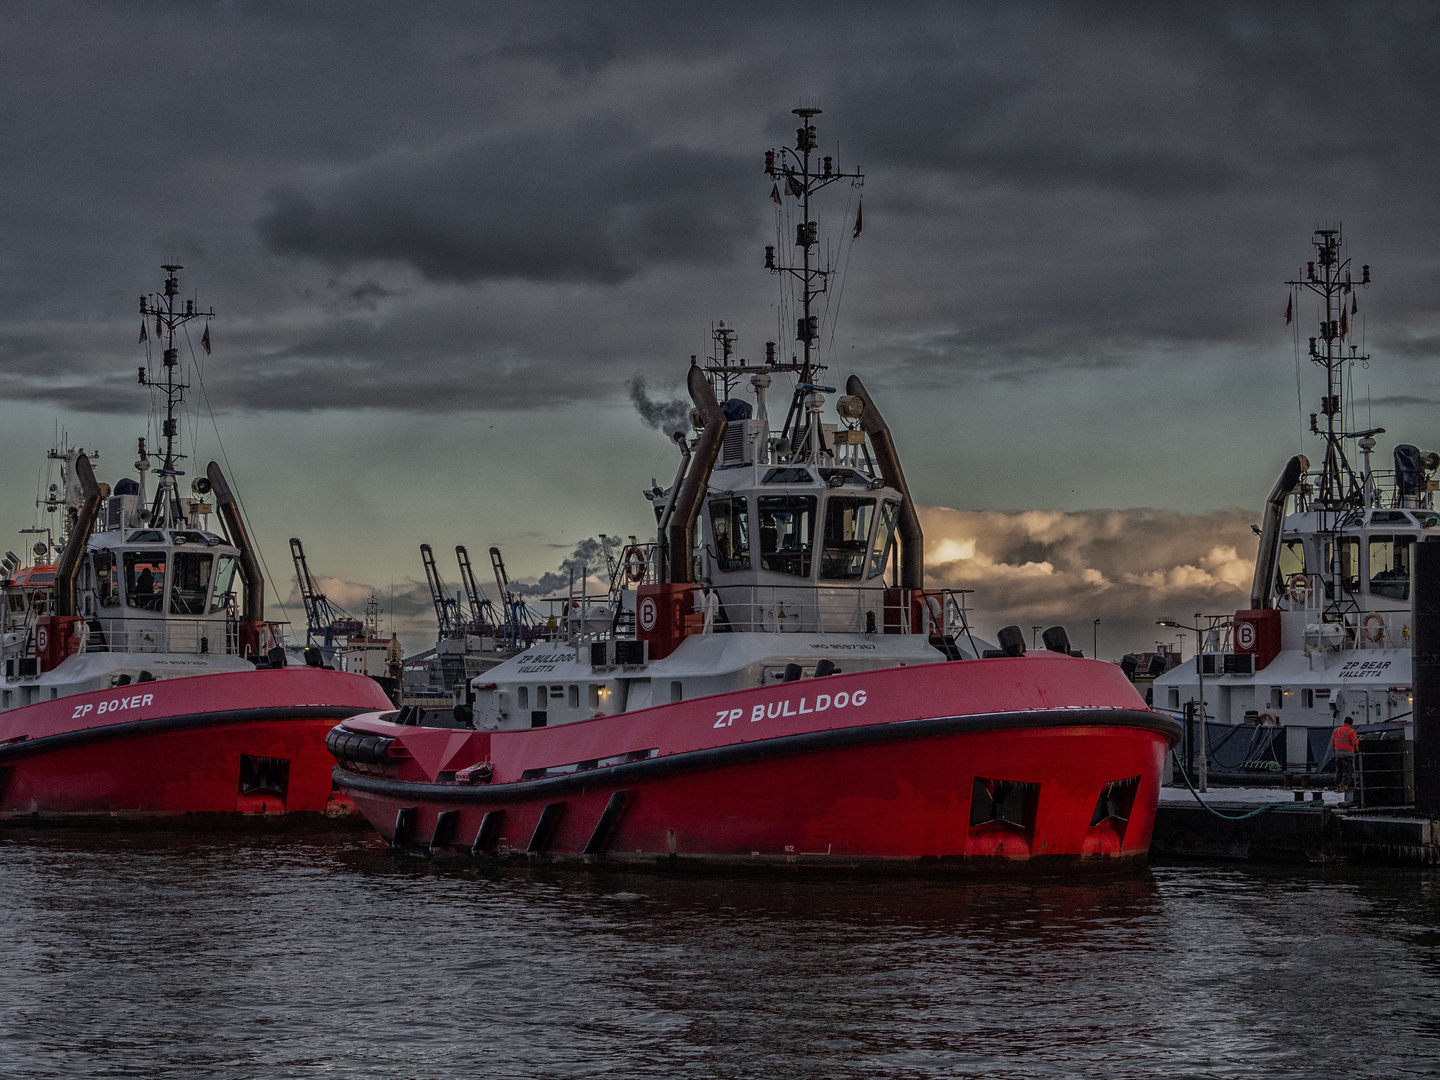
column 1217, row 813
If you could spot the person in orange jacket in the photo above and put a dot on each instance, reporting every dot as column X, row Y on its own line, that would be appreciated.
column 1346, row 743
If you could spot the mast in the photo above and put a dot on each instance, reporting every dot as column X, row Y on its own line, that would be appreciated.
column 1329, row 277
column 171, row 315
column 792, row 171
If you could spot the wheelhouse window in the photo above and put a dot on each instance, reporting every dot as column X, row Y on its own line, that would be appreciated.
column 224, row 583
column 190, row 589
column 730, row 529
column 884, row 538
column 107, row 583
column 145, row 579
column 1390, row 566
column 1343, row 558
column 1291, row 561
column 787, row 533
column 847, row 537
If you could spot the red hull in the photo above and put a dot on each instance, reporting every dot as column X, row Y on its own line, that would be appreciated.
column 903, row 785
column 243, row 742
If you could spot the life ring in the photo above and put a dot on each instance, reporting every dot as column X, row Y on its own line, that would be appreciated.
column 37, row 598
column 933, row 616
column 1297, row 588
column 1373, row 626
column 634, row 564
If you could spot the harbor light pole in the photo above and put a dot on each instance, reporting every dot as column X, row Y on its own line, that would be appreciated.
column 1095, row 641
column 1202, row 766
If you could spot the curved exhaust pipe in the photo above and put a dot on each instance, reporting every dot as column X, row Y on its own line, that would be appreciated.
column 697, row 478
column 912, row 539
column 1267, row 559
column 69, row 566
column 249, row 565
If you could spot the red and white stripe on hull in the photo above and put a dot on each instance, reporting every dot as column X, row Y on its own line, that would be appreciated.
column 1020, row 759
column 181, row 746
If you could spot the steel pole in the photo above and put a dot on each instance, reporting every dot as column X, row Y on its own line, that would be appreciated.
column 1204, row 767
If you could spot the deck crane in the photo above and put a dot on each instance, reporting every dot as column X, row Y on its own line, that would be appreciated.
column 517, row 615
column 447, row 607
column 482, row 612
column 325, row 622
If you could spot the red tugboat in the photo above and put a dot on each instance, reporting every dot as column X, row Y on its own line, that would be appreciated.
column 134, row 685
column 771, row 683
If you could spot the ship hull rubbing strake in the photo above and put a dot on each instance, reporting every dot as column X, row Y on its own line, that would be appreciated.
column 899, row 780
column 230, row 743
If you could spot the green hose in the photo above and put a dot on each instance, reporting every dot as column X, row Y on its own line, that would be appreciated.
column 1217, row 813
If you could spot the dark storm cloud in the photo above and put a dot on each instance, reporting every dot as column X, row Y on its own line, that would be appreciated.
column 594, row 202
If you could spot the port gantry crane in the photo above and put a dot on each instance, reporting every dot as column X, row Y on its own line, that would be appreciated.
column 447, row 607
column 483, row 615
column 325, row 622
column 517, row 615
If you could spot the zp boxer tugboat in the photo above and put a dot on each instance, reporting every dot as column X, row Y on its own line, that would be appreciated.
column 134, row 685
column 770, row 682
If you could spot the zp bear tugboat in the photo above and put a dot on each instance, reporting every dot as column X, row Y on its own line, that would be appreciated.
column 771, row 682
column 135, row 684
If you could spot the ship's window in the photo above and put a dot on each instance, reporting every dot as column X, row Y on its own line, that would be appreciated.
column 1345, row 562
column 1307, row 699
column 146, row 536
column 1277, row 698
column 224, row 583
column 730, row 527
column 884, row 537
column 1174, row 697
column 1390, row 566
column 677, row 692
column 847, row 537
column 1292, row 560
column 107, row 585
column 539, row 697
column 787, row 533
column 788, row 476
column 522, row 697
column 594, row 695
column 1389, row 517
column 838, row 477
column 144, row 579
column 574, row 697
column 190, row 587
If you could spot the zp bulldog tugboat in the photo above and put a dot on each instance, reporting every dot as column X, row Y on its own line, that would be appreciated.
column 134, row 686
column 771, row 682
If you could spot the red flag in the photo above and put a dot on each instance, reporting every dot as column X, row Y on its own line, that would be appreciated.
column 144, row 337
column 1354, row 303
column 1289, row 310
column 205, row 339
column 1344, row 325
column 159, row 330
column 859, row 220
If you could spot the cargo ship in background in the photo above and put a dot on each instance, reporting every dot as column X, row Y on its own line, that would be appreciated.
column 1326, row 637
column 770, row 683
column 141, row 678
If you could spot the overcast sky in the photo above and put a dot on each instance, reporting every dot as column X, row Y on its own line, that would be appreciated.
column 442, row 241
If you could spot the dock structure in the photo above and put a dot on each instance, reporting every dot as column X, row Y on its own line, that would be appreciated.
column 1393, row 816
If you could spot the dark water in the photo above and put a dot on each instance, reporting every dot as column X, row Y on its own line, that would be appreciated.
column 175, row 956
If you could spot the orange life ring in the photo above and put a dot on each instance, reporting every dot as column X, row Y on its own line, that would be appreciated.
column 1297, row 588
column 634, row 564
column 1373, row 626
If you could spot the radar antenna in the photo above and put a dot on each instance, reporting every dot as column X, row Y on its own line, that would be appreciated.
column 170, row 314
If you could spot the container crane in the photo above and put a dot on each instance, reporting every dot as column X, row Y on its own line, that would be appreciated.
column 517, row 615
column 482, row 612
column 447, row 607
column 325, row 622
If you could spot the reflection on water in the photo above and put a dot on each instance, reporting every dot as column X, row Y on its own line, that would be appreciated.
column 182, row 956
